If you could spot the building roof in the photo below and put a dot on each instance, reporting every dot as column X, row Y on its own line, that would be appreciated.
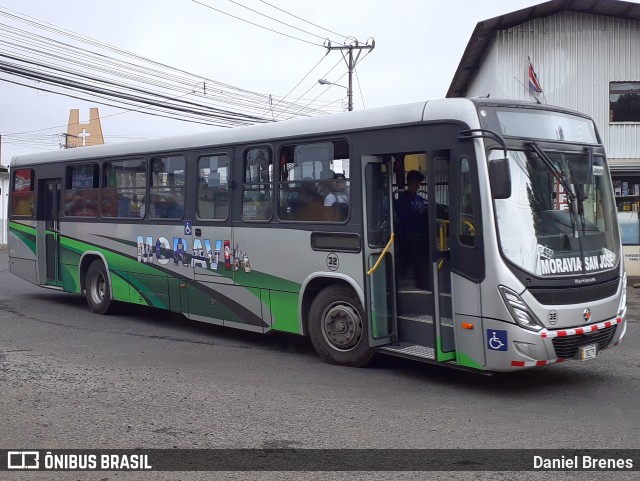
column 485, row 31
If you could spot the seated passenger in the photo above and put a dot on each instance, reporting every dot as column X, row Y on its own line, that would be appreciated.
column 310, row 203
column 338, row 198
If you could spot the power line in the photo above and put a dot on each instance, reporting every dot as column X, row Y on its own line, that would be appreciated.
column 255, row 24
column 325, row 90
column 276, row 20
column 176, row 80
column 302, row 80
column 315, row 84
column 359, row 87
column 299, row 18
column 80, row 73
column 249, row 102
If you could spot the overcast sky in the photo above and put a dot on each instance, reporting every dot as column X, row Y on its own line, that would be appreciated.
column 418, row 45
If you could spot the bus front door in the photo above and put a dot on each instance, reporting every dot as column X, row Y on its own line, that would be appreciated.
column 440, row 261
column 49, row 233
column 423, row 272
column 378, row 250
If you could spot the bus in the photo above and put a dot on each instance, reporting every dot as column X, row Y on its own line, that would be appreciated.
column 514, row 260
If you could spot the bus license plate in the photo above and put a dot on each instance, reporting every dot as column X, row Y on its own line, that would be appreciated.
column 588, row 352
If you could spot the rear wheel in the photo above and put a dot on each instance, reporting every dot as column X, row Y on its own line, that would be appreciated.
column 97, row 288
column 338, row 329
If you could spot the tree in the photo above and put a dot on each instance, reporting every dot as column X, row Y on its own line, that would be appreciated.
column 626, row 108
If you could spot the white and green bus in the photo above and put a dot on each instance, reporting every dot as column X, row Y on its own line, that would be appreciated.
column 514, row 260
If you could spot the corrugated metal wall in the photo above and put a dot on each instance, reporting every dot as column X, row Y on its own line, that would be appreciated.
column 575, row 56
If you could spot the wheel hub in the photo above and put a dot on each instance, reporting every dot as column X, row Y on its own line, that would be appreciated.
column 342, row 327
column 97, row 291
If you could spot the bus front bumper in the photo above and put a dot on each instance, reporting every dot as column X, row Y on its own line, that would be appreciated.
column 527, row 349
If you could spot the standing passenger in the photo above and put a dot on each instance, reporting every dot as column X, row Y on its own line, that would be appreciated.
column 413, row 230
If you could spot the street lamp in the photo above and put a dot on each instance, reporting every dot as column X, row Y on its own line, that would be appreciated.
column 349, row 93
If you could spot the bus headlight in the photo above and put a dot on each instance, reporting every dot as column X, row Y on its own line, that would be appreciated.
column 519, row 310
column 623, row 297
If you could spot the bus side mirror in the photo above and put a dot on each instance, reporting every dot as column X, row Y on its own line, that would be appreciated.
column 500, row 178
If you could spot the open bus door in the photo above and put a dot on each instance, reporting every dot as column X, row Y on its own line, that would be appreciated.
column 422, row 275
column 440, row 266
column 423, row 320
column 378, row 249
column 48, row 240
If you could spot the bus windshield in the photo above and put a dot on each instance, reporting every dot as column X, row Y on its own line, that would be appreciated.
column 560, row 218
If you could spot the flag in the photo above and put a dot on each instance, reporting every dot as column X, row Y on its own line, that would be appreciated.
column 534, row 84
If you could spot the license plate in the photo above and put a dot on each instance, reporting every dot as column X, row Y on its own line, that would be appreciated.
column 588, row 352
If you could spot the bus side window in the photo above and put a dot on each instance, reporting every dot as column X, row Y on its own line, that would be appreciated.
column 213, row 187
column 467, row 229
column 123, row 192
column 314, row 183
column 257, row 185
column 167, row 187
column 82, row 190
column 22, row 193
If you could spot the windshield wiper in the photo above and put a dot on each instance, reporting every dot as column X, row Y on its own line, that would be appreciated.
column 560, row 177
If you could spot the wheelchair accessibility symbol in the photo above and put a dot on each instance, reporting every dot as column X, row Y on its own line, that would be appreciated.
column 497, row 340
column 187, row 227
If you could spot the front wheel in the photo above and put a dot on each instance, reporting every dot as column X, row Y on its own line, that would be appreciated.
column 338, row 328
column 97, row 288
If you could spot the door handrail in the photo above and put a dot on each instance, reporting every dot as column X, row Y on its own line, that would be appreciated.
column 384, row 251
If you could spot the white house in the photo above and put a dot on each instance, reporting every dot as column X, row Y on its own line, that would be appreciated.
column 586, row 54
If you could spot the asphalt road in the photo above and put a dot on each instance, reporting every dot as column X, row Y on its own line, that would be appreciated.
column 150, row 379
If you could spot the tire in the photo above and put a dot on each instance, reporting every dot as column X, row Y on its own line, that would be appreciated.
column 97, row 288
column 338, row 328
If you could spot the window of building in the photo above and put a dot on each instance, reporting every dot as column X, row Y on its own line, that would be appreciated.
column 167, row 187
column 626, row 189
column 213, row 187
column 82, row 190
column 22, row 193
column 624, row 102
column 124, row 184
column 257, row 188
column 314, row 182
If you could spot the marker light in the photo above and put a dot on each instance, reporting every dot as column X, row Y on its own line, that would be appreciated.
column 519, row 310
column 467, row 325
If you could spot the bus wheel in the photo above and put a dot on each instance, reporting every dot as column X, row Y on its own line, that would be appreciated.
column 338, row 329
column 97, row 288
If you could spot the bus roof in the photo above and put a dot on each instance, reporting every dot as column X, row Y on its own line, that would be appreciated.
column 442, row 109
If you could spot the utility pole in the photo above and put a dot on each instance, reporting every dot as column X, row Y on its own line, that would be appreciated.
column 66, row 144
column 351, row 62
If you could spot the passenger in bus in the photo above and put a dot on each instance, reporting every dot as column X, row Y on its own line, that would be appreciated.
column 72, row 203
column 109, row 202
column 164, row 207
column 413, row 230
column 338, row 198
column 80, row 204
column 310, row 203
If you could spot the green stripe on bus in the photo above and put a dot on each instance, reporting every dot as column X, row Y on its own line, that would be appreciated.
column 134, row 278
column 284, row 309
column 25, row 233
column 464, row 360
